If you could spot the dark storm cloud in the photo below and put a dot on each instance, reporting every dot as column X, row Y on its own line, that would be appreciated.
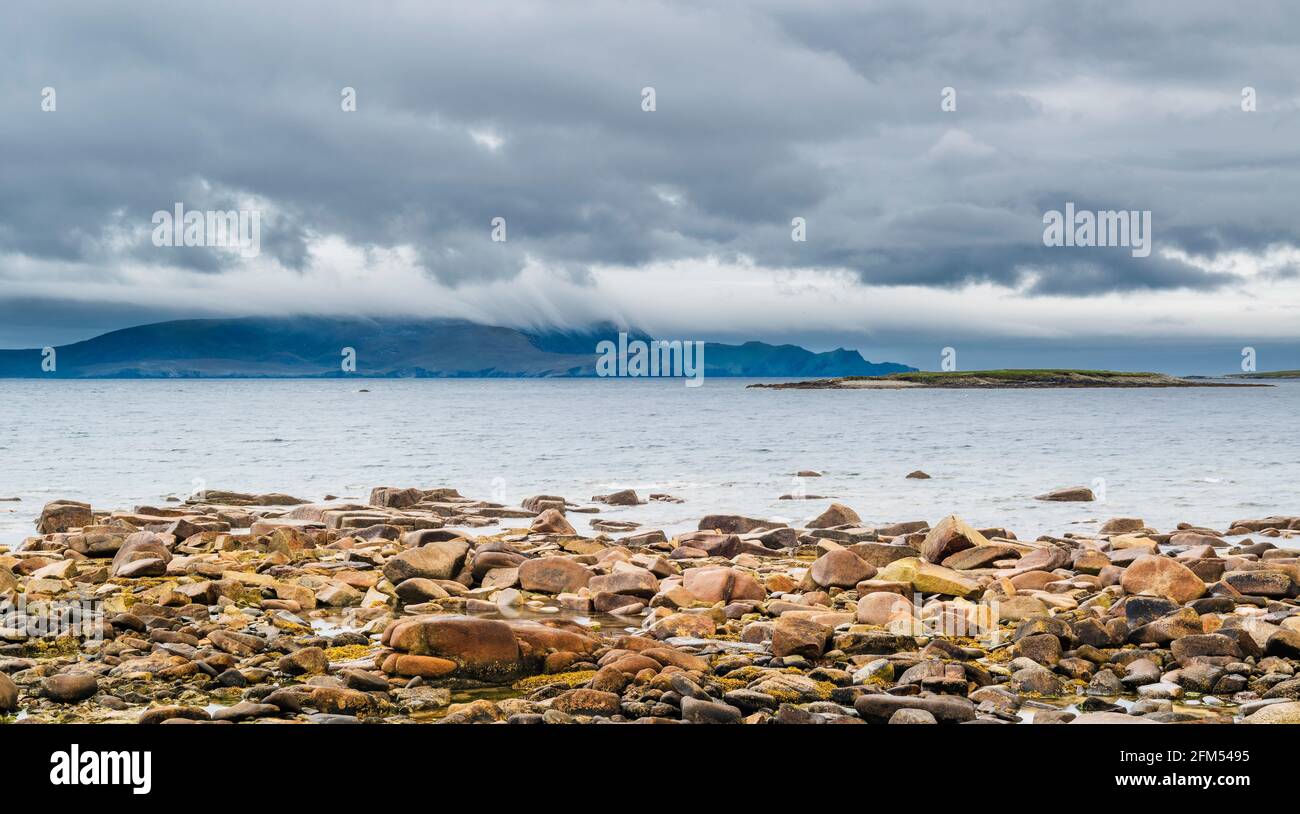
column 531, row 111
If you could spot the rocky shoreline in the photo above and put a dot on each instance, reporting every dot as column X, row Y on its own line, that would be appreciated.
column 425, row 606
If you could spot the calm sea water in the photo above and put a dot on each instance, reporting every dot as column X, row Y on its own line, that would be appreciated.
column 1198, row 455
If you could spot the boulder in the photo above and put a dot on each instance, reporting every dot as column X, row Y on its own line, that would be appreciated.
column 1276, row 584
column 392, row 497
column 950, row 535
column 668, row 656
column 837, row 515
column 482, row 648
column 1110, row 718
column 928, row 578
column 722, row 584
column 643, row 538
column 8, row 694
column 735, row 524
column 433, row 561
column 881, row 608
column 63, row 515
column 882, row 554
column 798, row 635
column 626, row 579
column 486, row 561
column 225, row 498
column 1036, row 680
column 1199, row 677
column 97, row 541
column 236, row 643
column 552, row 521
column 540, row 503
column 293, row 592
column 537, row 640
column 1187, row 648
column 553, row 575
column 792, row 688
column 305, row 661
column 712, row 543
column 583, row 701
column 243, row 711
column 1046, row 558
column 1095, row 633
column 147, row 549
column 1044, row 648
column 59, row 569
column 1090, row 561
column 1155, row 575
column 1283, row 642
column 415, row 590
column 1196, row 538
column 1122, row 525
column 421, row 537
column 404, row 664
column 982, row 556
column 1141, row 610
column 700, row 711
column 946, row 709
column 623, row 497
column 840, row 568
column 142, row 567
column 1019, row 607
column 1287, row 712
column 69, row 688
column 340, row 595
column 1183, row 622
column 690, row 625
column 1288, row 690
column 1054, row 625
column 174, row 712
column 1079, row 494
column 340, row 701
column 912, row 716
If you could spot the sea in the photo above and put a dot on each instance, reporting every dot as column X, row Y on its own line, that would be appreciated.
column 1205, row 456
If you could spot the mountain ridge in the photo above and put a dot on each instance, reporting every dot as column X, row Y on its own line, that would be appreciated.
column 315, row 347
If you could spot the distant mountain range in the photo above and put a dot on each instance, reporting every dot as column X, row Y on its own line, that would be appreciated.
column 313, row 347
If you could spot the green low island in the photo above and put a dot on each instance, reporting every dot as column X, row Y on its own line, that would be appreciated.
column 1003, row 379
column 1269, row 374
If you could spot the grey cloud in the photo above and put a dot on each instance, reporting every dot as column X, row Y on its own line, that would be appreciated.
column 766, row 111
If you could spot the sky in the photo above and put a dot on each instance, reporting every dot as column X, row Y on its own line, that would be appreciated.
column 921, row 145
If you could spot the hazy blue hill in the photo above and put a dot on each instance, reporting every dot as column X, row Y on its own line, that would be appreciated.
column 762, row 359
column 313, row 347
column 581, row 341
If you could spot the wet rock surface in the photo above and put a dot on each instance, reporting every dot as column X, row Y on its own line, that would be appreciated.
column 425, row 605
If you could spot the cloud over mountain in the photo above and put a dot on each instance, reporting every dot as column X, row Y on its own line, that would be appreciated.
column 532, row 111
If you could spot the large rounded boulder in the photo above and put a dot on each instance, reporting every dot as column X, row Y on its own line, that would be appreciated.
column 485, row 649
